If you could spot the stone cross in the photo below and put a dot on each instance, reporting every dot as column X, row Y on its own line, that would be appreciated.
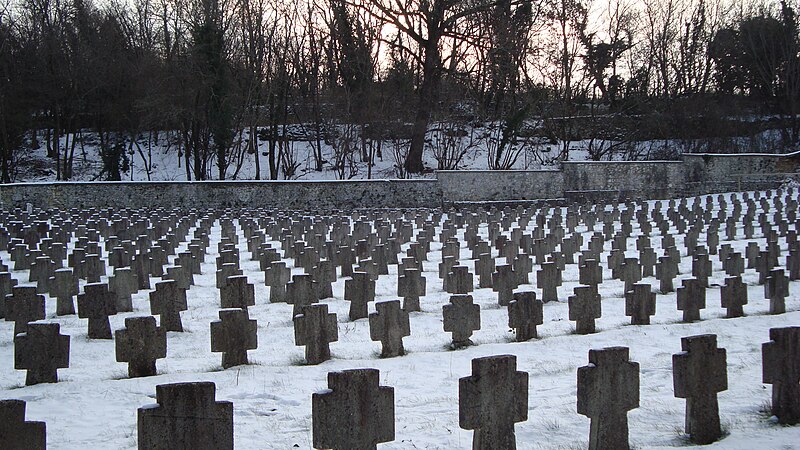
column 315, row 328
column 144, row 266
column 225, row 271
column 42, row 350
column 301, row 292
column 179, row 275
column 23, row 306
column 167, row 301
column 359, row 290
column 140, row 344
column 233, row 335
column 96, row 304
column 523, row 266
column 6, row 283
column 781, row 368
column 525, row 312
column 584, row 308
column 355, row 412
column 389, row 324
column 411, row 285
column 64, row 286
column 733, row 265
column 733, row 296
column 691, row 299
column 324, row 276
column 459, row 280
column 792, row 264
column 445, row 267
column 186, row 416
column 590, row 273
column 95, row 268
column 640, row 304
column 504, row 281
column 776, row 289
column 615, row 260
column 607, row 389
column 15, row 432
column 276, row 277
column 701, row 268
column 492, row 400
column 647, row 257
column 123, row 284
column 237, row 293
column 763, row 266
column 699, row 371
column 666, row 271
column 461, row 317
column 548, row 278
column 630, row 272
column 484, row 267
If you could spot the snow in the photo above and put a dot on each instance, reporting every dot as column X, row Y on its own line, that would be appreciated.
column 94, row 403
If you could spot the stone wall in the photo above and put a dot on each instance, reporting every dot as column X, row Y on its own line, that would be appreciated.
column 574, row 181
column 707, row 173
column 500, row 185
column 316, row 195
column 617, row 180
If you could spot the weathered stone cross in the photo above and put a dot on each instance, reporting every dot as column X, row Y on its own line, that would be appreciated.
column 140, row 344
column 355, row 412
column 41, row 349
column 640, row 304
column 96, row 304
column 492, row 400
column 781, row 369
column 461, row 317
column 316, row 328
column 584, row 308
column 607, row 389
column 167, row 301
column 504, row 281
column 776, row 289
column 389, row 324
column 23, row 306
column 186, row 416
column 359, row 290
column 411, row 285
column 698, row 373
column 15, row 432
column 691, row 299
column 233, row 335
column 733, row 296
column 524, row 314
column 276, row 277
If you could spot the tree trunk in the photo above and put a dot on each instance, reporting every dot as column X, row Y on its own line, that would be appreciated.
column 428, row 94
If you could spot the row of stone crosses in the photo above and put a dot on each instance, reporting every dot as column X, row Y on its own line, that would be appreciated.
column 138, row 248
column 355, row 412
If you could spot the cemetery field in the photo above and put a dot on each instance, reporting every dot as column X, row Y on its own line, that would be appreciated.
column 94, row 403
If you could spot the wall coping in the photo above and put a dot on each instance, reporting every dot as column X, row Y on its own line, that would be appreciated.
column 216, row 182
column 733, row 155
column 623, row 162
column 499, row 172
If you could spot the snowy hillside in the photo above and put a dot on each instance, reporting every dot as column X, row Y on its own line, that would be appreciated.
column 94, row 403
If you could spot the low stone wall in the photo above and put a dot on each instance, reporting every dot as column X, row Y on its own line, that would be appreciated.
column 710, row 173
column 575, row 181
column 313, row 195
column 618, row 180
column 500, row 185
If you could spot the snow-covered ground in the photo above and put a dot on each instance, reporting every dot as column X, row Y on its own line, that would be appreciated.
column 94, row 403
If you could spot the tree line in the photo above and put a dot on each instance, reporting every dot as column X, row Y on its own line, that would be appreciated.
column 211, row 79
